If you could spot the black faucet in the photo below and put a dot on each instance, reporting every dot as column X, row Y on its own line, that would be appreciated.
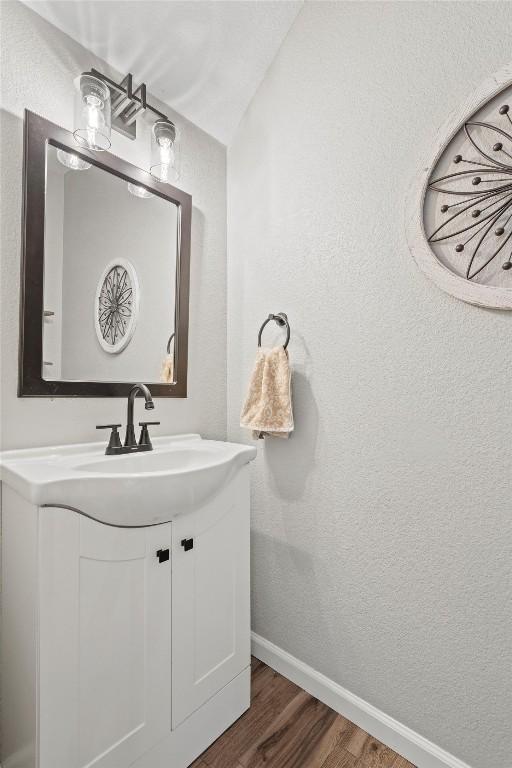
column 129, row 440
column 130, row 444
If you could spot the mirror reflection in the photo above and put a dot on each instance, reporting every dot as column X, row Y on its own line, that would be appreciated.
column 110, row 256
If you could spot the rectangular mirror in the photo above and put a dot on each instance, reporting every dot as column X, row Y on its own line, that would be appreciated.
column 105, row 273
column 109, row 275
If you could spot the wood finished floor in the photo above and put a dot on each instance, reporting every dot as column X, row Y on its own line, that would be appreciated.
column 285, row 727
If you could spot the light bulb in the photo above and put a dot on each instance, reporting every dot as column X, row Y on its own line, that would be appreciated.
column 93, row 117
column 166, row 151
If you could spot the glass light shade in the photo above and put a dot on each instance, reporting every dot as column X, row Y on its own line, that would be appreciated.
column 70, row 160
column 92, row 113
column 164, row 152
column 134, row 189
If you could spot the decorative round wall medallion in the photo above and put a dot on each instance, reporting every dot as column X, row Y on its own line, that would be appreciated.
column 459, row 218
column 116, row 305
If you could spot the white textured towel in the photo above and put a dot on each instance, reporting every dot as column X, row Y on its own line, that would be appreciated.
column 268, row 407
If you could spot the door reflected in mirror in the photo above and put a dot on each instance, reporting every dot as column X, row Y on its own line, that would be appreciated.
column 111, row 250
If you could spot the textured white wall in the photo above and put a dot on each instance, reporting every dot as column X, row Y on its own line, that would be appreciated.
column 39, row 64
column 382, row 530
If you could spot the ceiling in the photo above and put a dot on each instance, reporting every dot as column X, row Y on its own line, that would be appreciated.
column 205, row 58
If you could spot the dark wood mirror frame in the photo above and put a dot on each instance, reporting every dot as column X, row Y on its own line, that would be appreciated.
column 39, row 132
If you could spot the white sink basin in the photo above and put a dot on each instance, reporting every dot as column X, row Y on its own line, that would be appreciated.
column 176, row 459
column 179, row 475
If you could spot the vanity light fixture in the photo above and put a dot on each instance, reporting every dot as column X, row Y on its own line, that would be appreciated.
column 70, row 160
column 101, row 103
column 164, row 152
column 135, row 189
column 92, row 113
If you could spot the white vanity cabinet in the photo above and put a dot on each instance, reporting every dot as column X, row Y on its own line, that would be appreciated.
column 123, row 646
column 210, row 605
column 104, row 640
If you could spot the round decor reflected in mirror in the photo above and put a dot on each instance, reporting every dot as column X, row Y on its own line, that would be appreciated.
column 461, row 231
column 116, row 305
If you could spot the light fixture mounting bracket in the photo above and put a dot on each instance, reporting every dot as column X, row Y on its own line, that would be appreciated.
column 127, row 104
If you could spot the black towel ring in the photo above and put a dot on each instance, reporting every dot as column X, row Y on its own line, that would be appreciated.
column 282, row 320
column 171, row 337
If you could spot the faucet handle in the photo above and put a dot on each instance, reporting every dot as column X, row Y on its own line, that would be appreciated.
column 144, row 434
column 114, row 444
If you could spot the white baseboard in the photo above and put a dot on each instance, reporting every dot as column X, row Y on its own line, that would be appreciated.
column 418, row 750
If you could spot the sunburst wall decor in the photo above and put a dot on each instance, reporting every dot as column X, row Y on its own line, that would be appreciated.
column 116, row 306
column 475, row 202
column 461, row 230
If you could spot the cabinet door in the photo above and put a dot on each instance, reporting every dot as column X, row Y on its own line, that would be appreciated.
column 211, row 606
column 105, row 651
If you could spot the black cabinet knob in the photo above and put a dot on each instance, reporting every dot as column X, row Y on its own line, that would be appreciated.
column 163, row 555
column 187, row 544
